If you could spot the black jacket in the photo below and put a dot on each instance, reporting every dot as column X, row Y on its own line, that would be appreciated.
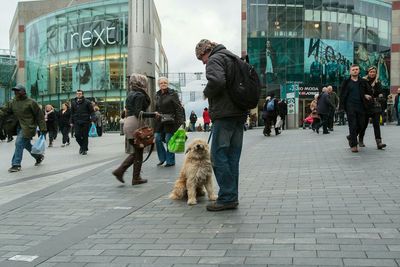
column 51, row 121
column 219, row 69
column 81, row 111
column 169, row 103
column 396, row 104
column 193, row 118
column 282, row 106
column 325, row 104
column 65, row 118
column 136, row 101
column 344, row 93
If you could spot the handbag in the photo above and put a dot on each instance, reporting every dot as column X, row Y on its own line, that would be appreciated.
column 177, row 142
column 374, row 107
column 279, row 122
column 39, row 146
column 167, row 118
column 143, row 136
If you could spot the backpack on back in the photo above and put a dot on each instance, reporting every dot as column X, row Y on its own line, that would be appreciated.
column 245, row 87
column 271, row 104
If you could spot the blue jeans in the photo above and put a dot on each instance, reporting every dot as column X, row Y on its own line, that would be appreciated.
column 163, row 154
column 21, row 143
column 226, row 147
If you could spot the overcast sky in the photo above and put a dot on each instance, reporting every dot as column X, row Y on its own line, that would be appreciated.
column 184, row 23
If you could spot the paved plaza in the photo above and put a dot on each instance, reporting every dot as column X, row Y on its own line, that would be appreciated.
column 305, row 200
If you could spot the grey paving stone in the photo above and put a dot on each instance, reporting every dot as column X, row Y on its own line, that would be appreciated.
column 369, row 262
column 268, row 260
column 160, row 253
column 317, row 261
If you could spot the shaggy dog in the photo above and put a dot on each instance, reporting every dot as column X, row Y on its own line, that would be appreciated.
column 195, row 174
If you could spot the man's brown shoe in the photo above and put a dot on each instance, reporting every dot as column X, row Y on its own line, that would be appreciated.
column 354, row 149
column 219, row 206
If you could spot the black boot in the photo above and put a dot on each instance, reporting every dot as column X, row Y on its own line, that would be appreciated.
column 119, row 172
column 137, row 167
column 361, row 142
column 379, row 144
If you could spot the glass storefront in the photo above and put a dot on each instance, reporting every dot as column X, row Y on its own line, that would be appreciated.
column 82, row 47
column 312, row 43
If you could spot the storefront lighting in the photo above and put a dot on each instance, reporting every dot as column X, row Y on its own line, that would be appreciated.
column 276, row 23
column 278, row 27
column 329, row 27
column 316, row 25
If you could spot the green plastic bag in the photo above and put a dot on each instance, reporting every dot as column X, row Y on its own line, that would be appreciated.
column 177, row 142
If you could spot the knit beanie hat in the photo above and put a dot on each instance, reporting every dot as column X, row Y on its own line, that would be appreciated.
column 203, row 47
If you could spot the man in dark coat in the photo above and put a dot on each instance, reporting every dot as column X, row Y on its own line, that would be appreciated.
column 29, row 116
column 270, row 114
column 82, row 113
column 353, row 100
column 228, row 120
column 397, row 106
column 282, row 107
column 324, row 108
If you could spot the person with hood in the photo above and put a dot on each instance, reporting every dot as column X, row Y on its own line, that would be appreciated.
column 82, row 113
column 169, row 118
column 137, row 101
column 374, row 109
column 29, row 116
column 228, row 120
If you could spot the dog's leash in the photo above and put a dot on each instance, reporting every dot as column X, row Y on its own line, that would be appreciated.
column 148, row 155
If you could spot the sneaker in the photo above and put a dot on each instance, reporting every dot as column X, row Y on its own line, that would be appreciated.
column 39, row 160
column 80, row 151
column 10, row 139
column 169, row 165
column 14, row 169
column 67, row 144
column 63, row 145
column 84, row 152
column 219, row 206
column 50, row 145
column 354, row 149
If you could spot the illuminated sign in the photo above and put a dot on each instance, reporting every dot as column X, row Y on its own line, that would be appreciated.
column 92, row 38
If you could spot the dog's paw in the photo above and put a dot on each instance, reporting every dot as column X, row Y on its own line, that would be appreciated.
column 192, row 202
column 173, row 196
column 212, row 197
column 200, row 192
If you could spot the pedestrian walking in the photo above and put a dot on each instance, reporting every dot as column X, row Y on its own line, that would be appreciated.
column 29, row 116
column 137, row 101
column 353, row 97
column 228, row 120
column 324, row 109
column 169, row 119
column 193, row 120
column 64, row 123
column 397, row 106
column 51, row 123
column 206, row 119
column 282, row 107
column 334, row 99
column 314, row 114
column 389, row 109
column 270, row 113
column 98, row 120
column 82, row 113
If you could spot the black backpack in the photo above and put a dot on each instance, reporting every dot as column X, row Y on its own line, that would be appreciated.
column 244, row 84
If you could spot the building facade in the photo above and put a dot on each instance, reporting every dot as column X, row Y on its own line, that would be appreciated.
column 93, row 46
column 395, row 68
column 299, row 46
column 7, row 69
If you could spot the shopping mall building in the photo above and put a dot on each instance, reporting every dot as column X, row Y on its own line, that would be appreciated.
column 64, row 45
column 299, row 46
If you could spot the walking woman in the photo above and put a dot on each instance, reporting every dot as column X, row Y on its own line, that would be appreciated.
column 374, row 109
column 137, row 101
column 65, row 127
column 51, row 120
column 169, row 119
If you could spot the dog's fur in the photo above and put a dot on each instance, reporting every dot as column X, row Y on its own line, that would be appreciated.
column 196, row 173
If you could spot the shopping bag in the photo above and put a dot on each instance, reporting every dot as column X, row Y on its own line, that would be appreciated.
column 177, row 142
column 93, row 131
column 279, row 122
column 39, row 146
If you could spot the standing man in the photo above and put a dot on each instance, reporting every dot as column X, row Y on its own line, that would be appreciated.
column 282, row 107
column 324, row 108
column 353, row 99
column 228, row 120
column 82, row 113
column 334, row 99
column 29, row 116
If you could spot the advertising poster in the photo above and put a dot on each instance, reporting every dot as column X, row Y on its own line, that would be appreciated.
column 277, row 59
column 101, row 75
column 373, row 55
column 82, row 76
column 327, row 61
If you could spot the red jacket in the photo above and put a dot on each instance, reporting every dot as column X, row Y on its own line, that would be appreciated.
column 206, row 117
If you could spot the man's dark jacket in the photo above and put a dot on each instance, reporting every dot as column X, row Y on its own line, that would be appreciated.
column 81, row 111
column 344, row 93
column 324, row 104
column 219, row 69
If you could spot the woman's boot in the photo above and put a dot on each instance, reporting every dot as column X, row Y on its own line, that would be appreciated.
column 119, row 172
column 137, row 167
column 379, row 144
